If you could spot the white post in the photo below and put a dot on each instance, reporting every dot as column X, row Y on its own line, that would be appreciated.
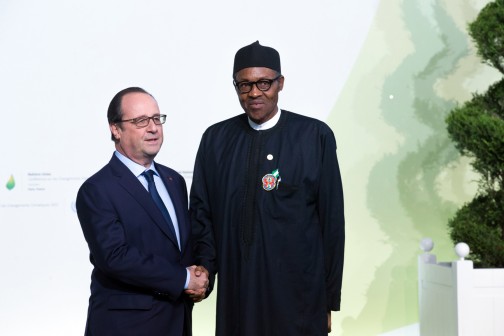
column 464, row 285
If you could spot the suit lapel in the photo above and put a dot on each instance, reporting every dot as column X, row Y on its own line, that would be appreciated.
column 131, row 185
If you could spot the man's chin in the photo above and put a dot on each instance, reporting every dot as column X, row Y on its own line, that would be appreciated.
column 259, row 117
column 151, row 153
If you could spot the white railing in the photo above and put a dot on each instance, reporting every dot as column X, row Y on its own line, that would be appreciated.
column 456, row 299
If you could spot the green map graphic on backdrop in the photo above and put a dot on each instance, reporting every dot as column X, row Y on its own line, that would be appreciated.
column 413, row 207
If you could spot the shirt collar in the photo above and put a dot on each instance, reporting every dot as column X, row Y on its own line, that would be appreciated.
column 265, row 125
column 136, row 169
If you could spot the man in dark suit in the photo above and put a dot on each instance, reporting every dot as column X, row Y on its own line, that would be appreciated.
column 134, row 216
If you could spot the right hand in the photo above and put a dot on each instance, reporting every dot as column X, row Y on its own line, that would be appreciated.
column 198, row 283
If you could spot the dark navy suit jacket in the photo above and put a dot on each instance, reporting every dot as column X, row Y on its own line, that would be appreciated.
column 139, row 272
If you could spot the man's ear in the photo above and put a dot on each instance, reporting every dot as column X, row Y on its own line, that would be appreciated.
column 115, row 131
column 281, row 83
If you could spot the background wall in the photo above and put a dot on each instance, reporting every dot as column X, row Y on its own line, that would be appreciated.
column 382, row 73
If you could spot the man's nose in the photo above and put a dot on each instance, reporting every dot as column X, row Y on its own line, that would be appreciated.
column 254, row 92
column 152, row 127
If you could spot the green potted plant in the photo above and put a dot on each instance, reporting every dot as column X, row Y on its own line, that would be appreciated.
column 477, row 128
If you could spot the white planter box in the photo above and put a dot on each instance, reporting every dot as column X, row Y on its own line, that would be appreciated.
column 456, row 299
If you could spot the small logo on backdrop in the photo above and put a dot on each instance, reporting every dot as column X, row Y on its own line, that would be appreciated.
column 271, row 181
column 11, row 183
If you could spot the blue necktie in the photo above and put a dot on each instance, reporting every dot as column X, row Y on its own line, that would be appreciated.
column 149, row 176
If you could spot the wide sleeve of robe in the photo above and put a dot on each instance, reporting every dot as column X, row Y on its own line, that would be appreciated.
column 331, row 213
column 201, row 218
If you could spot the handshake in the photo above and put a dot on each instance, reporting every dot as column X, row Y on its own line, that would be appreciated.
column 198, row 283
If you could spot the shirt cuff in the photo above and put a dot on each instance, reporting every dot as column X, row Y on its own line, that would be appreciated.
column 188, row 277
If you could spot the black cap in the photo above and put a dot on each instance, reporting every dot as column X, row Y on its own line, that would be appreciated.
column 256, row 55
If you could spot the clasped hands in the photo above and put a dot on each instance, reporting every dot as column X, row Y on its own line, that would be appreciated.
column 198, row 283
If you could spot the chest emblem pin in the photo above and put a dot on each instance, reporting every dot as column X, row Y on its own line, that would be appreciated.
column 271, row 181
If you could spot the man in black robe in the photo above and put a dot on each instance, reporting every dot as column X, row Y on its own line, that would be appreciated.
column 267, row 210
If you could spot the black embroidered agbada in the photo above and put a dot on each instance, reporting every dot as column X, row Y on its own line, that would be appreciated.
column 275, row 241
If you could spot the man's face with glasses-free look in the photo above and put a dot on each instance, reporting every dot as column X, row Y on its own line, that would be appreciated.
column 139, row 133
column 257, row 90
